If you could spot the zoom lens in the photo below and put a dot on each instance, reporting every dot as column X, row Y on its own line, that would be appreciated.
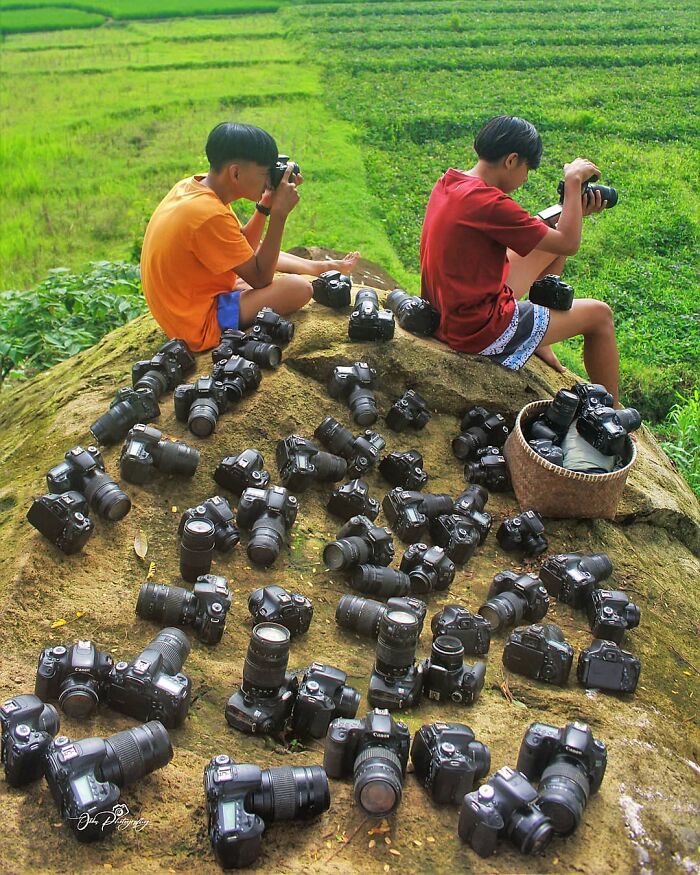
column 506, row 609
column 163, row 604
column 378, row 781
column 397, row 641
column 203, row 416
column 177, row 458
column 359, row 615
column 292, row 792
column 465, row 444
column 332, row 434
column 377, row 580
column 155, row 381
column 136, row 752
column 173, row 646
column 563, row 794
column 562, row 411
column 530, row 830
column 196, row 548
column 346, row 553
column 598, row 565
column 266, row 539
column 328, row 467
column 112, row 425
column 266, row 661
column 105, row 497
column 363, row 405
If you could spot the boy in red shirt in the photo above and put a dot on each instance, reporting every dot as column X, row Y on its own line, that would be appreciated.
column 481, row 252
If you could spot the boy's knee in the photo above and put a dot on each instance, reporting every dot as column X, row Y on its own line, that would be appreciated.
column 604, row 315
column 301, row 290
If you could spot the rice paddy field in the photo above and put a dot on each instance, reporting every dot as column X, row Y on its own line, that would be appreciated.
column 105, row 104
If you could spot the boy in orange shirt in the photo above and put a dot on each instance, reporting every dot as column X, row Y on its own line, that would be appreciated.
column 203, row 272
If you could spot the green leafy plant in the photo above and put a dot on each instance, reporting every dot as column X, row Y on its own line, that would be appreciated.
column 683, row 445
column 64, row 314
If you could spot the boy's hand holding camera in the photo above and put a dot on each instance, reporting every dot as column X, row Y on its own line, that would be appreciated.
column 576, row 175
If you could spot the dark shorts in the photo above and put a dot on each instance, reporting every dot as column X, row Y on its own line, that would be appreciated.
column 521, row 338
column 228, row 309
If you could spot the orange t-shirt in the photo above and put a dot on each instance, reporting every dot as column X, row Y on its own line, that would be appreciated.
column 191, row 247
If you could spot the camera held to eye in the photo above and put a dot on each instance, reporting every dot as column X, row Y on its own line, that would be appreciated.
column 279, row 168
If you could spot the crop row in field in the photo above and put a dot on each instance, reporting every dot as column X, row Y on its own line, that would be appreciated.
column 47, row 18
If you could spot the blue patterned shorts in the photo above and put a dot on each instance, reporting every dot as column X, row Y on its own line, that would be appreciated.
column 521, row 338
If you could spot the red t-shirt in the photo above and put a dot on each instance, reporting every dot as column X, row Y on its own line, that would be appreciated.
column 467, row 228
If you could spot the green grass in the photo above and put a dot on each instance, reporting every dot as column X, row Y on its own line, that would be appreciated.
column 682, row 429
column 46, row 18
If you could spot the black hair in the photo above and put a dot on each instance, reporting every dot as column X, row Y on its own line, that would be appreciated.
column 231, row 141
column 505, row 134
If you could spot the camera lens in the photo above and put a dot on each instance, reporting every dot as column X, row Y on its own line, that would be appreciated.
column 598, row 565
column 562, row 411
column 448, row 652
column 266, row 661
column 346, row 553
column 397, row 641
column 329, row 467
column 78, row 696
column 178, row 458
column 360, row 615
column 114, row 424
column 377, row 580
column 196, row 548
column 266, row 355
column 506, row 609
column 203, row 416
column 165, row 604
column 266, row 539
column 174, row 647
column 530, row 830
column 291, row 792
column 154, row 380
column 338, row 439
column 465, row 444
column 103, row 494
column 363, row 405
column 378, row 781
column 136, row 752
column 563, row 794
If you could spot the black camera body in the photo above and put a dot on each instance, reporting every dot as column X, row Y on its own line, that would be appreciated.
column 152, row 686
column 445, row 676
column 361, row 452
column 571, row 577
column 552, row 292
column 218, row 512
column 200, row 404
column 607, row 192
column 374, row 749
column 409, row 512
column 479, row 429
column 300, row 463
column 238, row 343
column 129, row 407
column 323, row 696
column 353, row 499
column 279, row 168
column 408, row 411
column 514, row 597
column 239, row 375
column 470, row 504
column 268, row 514
column 359, row 542
column 204, row 609
column 569, row 765
column 490, row 470
column 354, row 383
column 558, row 415
column 592, row 395
column 238, row 473
column 367, row 321
column 76, row 675
column 605, row 666
column 273, row 604
column 471, row 629
column 84, row 471
column 606, row 429
column 85, row 777
column 539, row 651
column 63, row 519
column 332, row 289
column 270, row 326
column 449, row 761
column 242, row 799
column 414, row 314
column 165, row 370
column 396, row 681
column 548, row 450
column 456, row 535
column 611, row 614
column 428, row 568
column 523, row 533
column 27, row 726
column 505, row 806
column 363, row 615
column 147, row 451
column 404, row 470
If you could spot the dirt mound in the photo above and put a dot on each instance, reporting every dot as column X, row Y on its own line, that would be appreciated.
column 642, row 819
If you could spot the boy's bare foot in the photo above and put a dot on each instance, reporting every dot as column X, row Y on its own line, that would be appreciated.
column 344, row 265
column 546, row 353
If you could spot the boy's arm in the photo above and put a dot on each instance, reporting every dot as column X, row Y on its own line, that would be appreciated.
column 253, row 228
column 565, row 239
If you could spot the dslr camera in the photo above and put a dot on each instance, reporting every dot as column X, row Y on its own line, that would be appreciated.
column 238, row 473
column 270, row 326
column 408, row 411
column 217, row 511
column 200, row 404
column 611, row 613
column 28, row 727
column 449, row 761
column 242, row 799
column 323, row 696
column 605, row 666
column 607, row 192
column 300, row 462
column 456, row 535
column 548, row 451
column 552, row 292
column 606, row 429
column 571, row 577
column 414, row 314
column 146, row 451
column 332, row 289
column 374, row 749
column 505, row 806
column 354, row 383
column 353, row 499
column 361, row 452
column 396, row 681
column 404, row 470
column 165, row 370
column 553, row 423
column 268, row 514
column 279, row 168
column 513, row 598
column 524, row 533
column 204, row 609
column 479, row 429
column 540, row 652
column 363, row 615
column 273, row 604
column 239, row 376
column 428, row 568
column 129, row 407
column 380, row 581
column 445, row 676
column 152, row 685
column 367, row 321
column 490, row 470
column 569, row 765
column 63, row 519
column 77, row 676
column 471, row 504
column 85, row 777
column 84, row 471
column 471, row 629
column 359, row 541
column 238, row 343
column 409, row 512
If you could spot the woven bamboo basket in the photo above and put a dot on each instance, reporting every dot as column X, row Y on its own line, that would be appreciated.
column 557, row 492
